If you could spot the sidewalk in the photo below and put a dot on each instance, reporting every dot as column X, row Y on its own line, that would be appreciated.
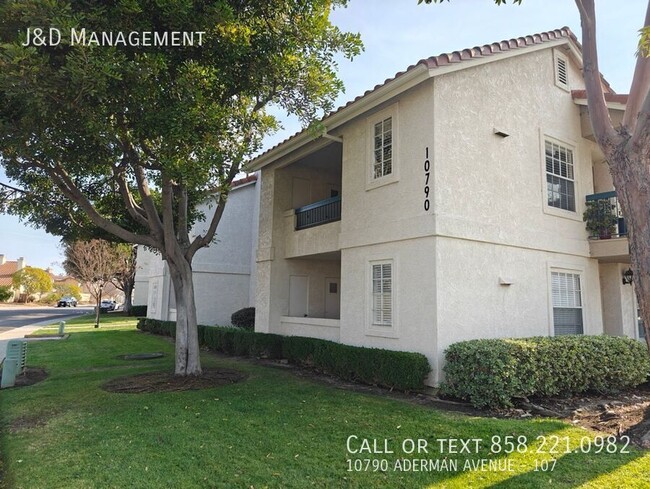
column 19, row 333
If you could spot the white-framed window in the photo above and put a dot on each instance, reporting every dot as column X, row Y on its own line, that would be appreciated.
column 561, row 63
column 382, row 164
column 566, row 298
column 381, row 278
column 560, row 175
column 639, row 324
column 383, row 148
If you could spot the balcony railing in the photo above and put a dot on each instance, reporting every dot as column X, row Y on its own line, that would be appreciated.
column 604, row 208
column 318, row 213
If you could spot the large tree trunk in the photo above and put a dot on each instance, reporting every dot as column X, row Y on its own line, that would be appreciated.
column 127, row 288
column 188, row 361
column 630, row 172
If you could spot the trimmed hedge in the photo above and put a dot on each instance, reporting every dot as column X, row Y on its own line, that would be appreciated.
column 493, row 372
column 138, row 311
column 393, row 369
column 244, row 318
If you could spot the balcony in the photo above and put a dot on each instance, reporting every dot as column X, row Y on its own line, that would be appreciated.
column 608, row 231
column 321, row 212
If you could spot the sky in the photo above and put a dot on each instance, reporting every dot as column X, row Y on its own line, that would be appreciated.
column 398, row 33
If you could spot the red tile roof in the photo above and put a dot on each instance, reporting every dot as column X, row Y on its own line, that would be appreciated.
column 447, row 59
column 242, row 181
column 620, row 98
column 6, row 271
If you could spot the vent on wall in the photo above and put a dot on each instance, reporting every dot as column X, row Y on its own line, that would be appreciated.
column 561, row 71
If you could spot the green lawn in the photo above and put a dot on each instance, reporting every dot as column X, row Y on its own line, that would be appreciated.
column 272, row 430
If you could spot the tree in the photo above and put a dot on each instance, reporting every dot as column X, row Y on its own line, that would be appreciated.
column 96, row 263
column 626, row 148
column 158, row 128
column 124, row 278
column 32, row 280
column 5, row 293
column 67, row 290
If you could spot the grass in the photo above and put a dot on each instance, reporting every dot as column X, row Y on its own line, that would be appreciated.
column 272, row 430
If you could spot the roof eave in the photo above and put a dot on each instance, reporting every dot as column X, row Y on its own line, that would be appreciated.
column 407, row 80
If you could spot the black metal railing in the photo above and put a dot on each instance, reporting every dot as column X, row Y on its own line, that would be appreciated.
column 318, row 213
column 604, row 208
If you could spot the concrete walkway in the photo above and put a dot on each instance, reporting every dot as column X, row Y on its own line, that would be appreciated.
column 19, row 333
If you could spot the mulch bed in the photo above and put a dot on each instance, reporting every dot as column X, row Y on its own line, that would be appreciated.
column 168, row 382
column 31, row 376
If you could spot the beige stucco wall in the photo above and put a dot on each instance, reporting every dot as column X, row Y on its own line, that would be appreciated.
column 488, row 224
column 224, row 273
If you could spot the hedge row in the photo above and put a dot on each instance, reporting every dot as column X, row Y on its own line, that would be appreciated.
column 393, row 369
column 493, row 372
column 138, row 311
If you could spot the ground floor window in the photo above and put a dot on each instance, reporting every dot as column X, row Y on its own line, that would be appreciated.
column 382, row 293
column 567, row 303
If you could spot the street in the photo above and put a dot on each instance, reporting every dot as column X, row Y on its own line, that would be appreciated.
column 12, row 317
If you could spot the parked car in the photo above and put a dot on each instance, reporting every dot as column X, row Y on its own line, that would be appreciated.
column 67, row 302
column 107, row 305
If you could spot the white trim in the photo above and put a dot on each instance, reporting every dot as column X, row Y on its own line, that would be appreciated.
column 565, row 268
column 311, row 321
column 372, row 329
column 392, row 113
column 558, row 58
column 577, row 189
column 394, row 87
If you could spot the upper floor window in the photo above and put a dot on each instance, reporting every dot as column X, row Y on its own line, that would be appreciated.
column 560, row 177
column 383, row 148
column 567, row 303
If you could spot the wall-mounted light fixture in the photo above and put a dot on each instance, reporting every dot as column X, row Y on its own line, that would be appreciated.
column 628, row 276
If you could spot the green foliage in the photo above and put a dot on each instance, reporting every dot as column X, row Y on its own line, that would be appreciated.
column 494, row 372
column 138, row 311
column 600, row 216
column 5, row 293
column 67, row 290
column 394, row 369
column 185, row 115
column 244, row 318
column 33, row 280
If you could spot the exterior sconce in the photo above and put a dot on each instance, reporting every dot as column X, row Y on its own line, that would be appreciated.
column 628, row 276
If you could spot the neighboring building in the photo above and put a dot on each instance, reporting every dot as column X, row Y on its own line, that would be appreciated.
column 7, row 269
column 444, row 205
column 224, row 272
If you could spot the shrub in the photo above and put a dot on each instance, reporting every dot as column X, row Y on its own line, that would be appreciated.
column 138, row 311
column 5, row 293
column 244, row 318
column 494, row 372
column 395, row 369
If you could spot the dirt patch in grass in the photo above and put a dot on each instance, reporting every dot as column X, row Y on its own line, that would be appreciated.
column 168, row 382
column 625, row 413
column 32, row 376
column 26, row 422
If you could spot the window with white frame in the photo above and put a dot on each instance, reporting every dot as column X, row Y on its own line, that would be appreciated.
column 382, row 293
column 567, row 303
column 560, row 176
column 383, row 148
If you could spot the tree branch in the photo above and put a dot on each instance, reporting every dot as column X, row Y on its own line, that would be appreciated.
column 70, row 190
column 181, row 226
column 201, row 241
column 135, row 211
column 640, row 85
column 168, row 216
column 601, row 123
